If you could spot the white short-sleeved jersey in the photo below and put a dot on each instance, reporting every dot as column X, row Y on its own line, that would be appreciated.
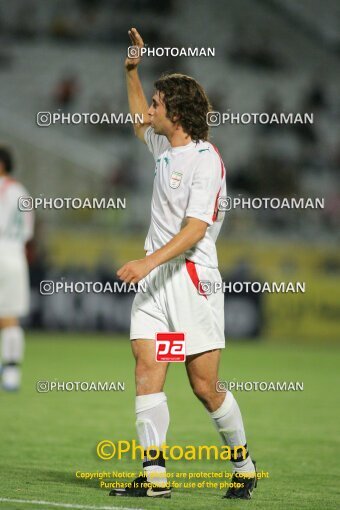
column 188, row 183
column 16, row 226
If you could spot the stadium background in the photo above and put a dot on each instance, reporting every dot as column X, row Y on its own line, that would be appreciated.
column 271, row 56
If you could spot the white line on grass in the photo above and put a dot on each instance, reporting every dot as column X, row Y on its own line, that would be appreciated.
column 65, row 505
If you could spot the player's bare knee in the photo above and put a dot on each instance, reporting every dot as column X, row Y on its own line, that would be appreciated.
column 207, row 394
column 148, row 380
column 146, row 384
column 8, row 322
column 201, row 389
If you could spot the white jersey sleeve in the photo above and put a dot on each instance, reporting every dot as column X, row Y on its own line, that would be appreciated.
column 157, row 144
column 15, row 225
column 28, row 220
column 205, row 188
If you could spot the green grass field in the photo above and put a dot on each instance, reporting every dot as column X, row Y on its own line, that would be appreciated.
column 47, row 437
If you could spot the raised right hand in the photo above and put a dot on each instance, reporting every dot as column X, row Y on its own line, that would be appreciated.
column 137, row 42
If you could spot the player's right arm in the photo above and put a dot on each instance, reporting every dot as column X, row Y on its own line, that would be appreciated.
column 137, row 101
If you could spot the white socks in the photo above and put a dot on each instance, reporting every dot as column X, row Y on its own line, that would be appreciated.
column 152, row 424
column 228, row 421
column 12, row 353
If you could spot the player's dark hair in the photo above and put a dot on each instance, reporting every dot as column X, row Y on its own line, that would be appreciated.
column 185, row 99
column 6, row 159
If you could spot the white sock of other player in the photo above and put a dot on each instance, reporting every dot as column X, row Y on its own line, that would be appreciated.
column 229, row 423
column 152, row 424
column 12, row 353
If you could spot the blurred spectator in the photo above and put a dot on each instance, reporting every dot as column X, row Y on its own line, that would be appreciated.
column 66, row 91
column 121, row 178
column 255, row 51
column 267, row 176
column 63, row 27
column 316, row 97
column 26, row 20
column 219, row 101
column 89, row 5
column 272, row 104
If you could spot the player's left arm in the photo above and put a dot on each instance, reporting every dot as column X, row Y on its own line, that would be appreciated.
column 27, row 215
column 192, row 232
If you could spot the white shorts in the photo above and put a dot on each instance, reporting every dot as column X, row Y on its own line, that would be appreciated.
column 14, row 286
column 172, row 302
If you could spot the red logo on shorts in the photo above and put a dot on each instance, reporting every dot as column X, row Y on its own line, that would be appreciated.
column 170, row 347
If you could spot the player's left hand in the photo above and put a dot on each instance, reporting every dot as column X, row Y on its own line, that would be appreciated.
column 134, row 271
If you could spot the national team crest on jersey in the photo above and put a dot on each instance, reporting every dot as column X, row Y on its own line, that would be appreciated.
column 175, row 179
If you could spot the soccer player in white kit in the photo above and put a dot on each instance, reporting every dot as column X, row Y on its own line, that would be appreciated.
column 180, row 253
column 16, row 228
